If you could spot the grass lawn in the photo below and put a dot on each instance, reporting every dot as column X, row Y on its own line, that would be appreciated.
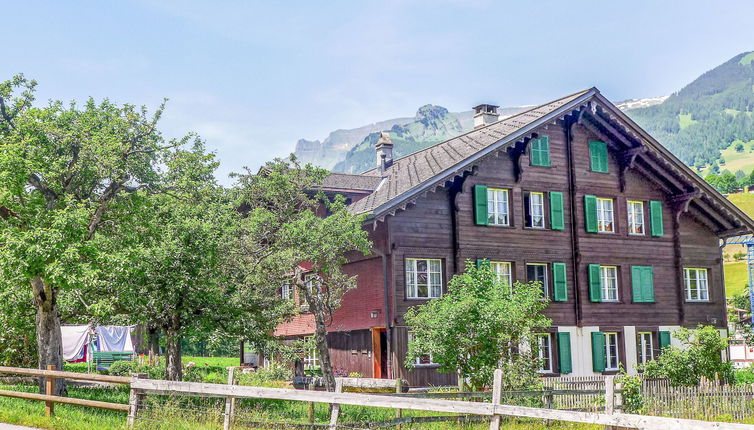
column 213, row 361
column 736, row 278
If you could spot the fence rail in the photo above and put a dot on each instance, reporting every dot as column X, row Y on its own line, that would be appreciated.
column 493, row 410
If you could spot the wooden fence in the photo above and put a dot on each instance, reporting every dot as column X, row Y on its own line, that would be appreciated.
column 493, row 411
column 705, row 401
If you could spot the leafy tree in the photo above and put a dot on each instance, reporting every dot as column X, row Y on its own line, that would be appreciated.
column 741, row 301
column 63, row 168
column 177, row 255
column 293, row 230
column 739, row 147
column 725, row 183
column 479, row 325
column 700, row 357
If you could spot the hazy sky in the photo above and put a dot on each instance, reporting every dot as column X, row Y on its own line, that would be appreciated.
column 254, row 77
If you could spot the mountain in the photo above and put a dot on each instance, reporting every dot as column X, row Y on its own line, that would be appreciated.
column 708, row 124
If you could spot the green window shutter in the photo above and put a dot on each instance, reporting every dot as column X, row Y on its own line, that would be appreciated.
column 557, row 220
column 648, row 284
column 540, row 151
column 599, row 360
column 642, row 284
column 664, row 339
column 564, row 353
column 480, row 204
column 598, row 156
column 559, row 281
column 655, row 217
column 595, row 289
column 590, row 213
column 482, row 262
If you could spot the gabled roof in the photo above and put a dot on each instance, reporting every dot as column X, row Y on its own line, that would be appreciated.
column 348, row 181
column 423, row 171
column 413, row 173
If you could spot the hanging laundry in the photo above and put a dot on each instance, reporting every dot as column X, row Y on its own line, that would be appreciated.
column 74, row 338
column 115, row 338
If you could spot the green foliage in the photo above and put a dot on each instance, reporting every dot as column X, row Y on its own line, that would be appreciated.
column 725, row 183
column 744, row 376
column 633, row 401
column 122, row 368
column 720, row 102
column 741, row 301
column 739, row 147
column 479, row 325
column 700, row 357
column 274, row 375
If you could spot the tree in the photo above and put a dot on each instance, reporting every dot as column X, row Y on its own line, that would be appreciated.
column 180, row 250
column 63, row 168
column 479, row 325
column 290, row 226
column 742, row 325
column 701, row 356
column 725, row 183
column 739, row 147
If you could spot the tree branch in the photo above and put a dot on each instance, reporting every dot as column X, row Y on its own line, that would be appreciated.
column 5, row 115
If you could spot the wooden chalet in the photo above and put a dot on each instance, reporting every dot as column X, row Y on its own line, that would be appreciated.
column 625, row 238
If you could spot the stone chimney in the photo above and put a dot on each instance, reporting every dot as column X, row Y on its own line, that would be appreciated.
column 384, row 148
column 485, row 115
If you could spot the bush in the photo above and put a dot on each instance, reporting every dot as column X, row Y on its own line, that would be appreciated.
column 744, row 376
column 633, row 401
column 700, row 357
column 123, row 368
column 271, row 375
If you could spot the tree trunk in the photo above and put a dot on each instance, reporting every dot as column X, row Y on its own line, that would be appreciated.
column 49, row 338
column 320, row 337
column 153, row 340
column 174, row 368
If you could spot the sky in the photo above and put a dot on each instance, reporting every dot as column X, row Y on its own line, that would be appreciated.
column 254, row 77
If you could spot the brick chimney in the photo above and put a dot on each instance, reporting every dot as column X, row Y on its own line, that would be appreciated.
column 485, row 115
column 384, row 148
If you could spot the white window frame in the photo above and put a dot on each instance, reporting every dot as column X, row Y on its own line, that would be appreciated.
column 540, row 205
column 311, row 359
column 544, row 352
column 611, row 359
column 605, row 215
column 503, row 270
column 310, row 280
column 418, row 360
column 545, row 286
column 495, row 197
column 285, row 291
column 434, row 290
column 608, row 282
column 635, row 211
column 701, row 289
column 645, row 345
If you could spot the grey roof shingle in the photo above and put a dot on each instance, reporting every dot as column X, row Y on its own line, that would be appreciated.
column 346, row 181
column 422, row 168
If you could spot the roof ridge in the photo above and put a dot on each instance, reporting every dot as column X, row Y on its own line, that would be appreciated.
column 489, row 125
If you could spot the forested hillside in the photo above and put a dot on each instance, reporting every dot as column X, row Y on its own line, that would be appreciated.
column 707, row 116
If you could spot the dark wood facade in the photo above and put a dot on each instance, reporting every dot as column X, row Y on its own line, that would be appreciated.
column 440, row 224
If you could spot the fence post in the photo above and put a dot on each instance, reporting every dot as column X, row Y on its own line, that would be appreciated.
column 50, row 391
column 399, row 390
column 134, row 401
column 230, row 402
column 497, row 386
column 609, row 397
column 311, row 404
column 335, row 413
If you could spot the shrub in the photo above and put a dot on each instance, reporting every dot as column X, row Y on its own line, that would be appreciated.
column 700, row 357
column 633, row 401
column 744, row 376
column 123, row 368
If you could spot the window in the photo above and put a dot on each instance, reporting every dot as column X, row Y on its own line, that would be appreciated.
column 534, row 208
column 497, row 207
column 503, row 271
column 285, row 291
column 424, row 359
column 310, row 359
column 605, row 216
column 311, row 280
column 635, row 217
column 697, row 288
column 545, row 353
column 644, row 347
column 611, row 351
column 609, row 283
column 537, row 272
column 539, row 155
column 423, row 278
